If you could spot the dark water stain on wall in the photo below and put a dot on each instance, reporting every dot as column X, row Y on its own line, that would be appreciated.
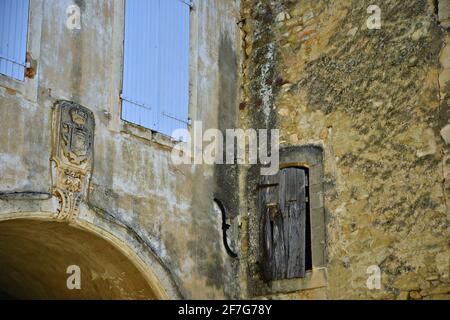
column 262, row 115
column 226, row 176
column 206, row 245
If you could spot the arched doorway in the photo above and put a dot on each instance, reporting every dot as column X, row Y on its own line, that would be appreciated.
column 35, row 256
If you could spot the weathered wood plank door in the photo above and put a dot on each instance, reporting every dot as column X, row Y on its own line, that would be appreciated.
column 282, row 207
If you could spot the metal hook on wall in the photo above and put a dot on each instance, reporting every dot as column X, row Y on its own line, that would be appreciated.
column 225, row 227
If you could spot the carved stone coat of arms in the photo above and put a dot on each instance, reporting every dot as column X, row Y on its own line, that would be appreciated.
column 73, row 152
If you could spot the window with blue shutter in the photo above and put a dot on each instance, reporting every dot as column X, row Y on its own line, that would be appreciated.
column 13, row 37
column 155, row 89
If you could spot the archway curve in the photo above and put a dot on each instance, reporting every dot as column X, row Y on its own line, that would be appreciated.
column 148, row 278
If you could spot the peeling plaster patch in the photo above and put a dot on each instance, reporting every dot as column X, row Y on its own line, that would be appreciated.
column 445, row 134
column 16, row 99
column 430, row 146
column 14, row 175
column 144, row 175
column 126, row 216
column 148, row 238
column 138, row 169
column 188, row 265
column 30, row 107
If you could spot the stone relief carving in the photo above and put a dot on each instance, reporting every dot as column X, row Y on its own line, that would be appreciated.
column 73, row 152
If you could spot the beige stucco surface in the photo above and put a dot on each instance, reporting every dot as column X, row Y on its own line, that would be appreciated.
column 165, row 208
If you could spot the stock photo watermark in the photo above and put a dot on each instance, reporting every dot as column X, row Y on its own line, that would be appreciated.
column 74, row 280
column 73, row 21
column 374, row 20
column 374, row 280
column 208, row 147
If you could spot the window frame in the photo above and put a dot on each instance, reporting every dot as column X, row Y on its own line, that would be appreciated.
column 311, row 157
column 28, row 88
column 24, row 64
column 278, row 187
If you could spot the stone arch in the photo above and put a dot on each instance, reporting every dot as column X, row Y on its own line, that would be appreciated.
column 36, row 249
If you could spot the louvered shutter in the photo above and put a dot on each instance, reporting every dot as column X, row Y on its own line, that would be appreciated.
column 156, row 64
column 282, row 206
column 13, row 37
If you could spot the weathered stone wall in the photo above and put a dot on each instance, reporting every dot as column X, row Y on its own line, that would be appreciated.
column 165, row 208
column 376, row 101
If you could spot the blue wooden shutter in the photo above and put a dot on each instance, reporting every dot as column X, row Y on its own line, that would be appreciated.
column 156, row 64
column 13, row 37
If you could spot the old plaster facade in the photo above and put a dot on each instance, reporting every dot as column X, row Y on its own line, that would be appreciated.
column 366, row 111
